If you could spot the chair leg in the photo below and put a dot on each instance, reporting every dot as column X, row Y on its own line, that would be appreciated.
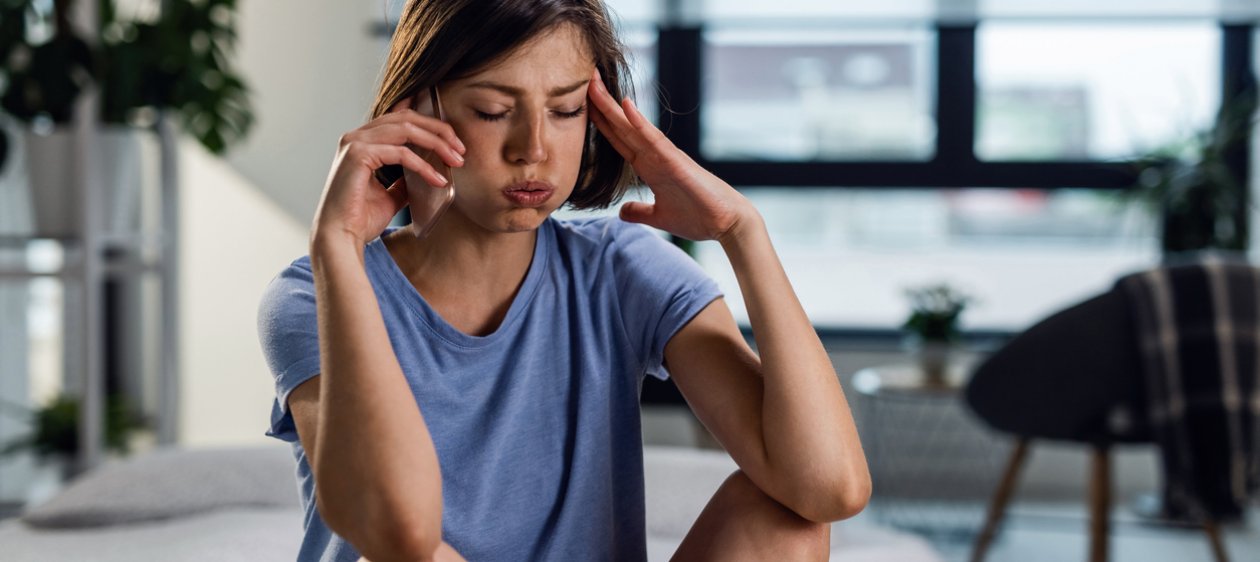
column 1001, row 497
column 1099, row 504
column 1214, row 538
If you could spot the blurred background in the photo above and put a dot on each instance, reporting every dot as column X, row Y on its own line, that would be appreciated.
column 1012, row 157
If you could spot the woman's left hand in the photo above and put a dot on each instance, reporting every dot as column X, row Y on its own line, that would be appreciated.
column 689, row 201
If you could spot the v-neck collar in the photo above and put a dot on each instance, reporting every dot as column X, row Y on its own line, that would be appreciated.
column 379, row 255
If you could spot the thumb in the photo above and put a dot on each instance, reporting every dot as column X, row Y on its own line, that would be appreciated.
column 636, row 211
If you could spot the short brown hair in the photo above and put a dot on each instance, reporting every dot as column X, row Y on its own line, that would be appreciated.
column 440, row 40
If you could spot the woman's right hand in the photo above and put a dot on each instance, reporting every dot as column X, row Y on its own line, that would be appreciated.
column 353, row 205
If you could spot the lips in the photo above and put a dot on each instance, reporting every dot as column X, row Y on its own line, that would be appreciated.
column 529, row 193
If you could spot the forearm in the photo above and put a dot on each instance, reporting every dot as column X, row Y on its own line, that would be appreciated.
column 376, row 465
column 808, row 430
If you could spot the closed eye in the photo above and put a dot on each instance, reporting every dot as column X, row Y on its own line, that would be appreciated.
column 572, row 114
column 490, row 116
column 561, row 114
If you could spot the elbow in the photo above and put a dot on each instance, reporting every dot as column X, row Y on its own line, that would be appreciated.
column 834, row 499
column 382, row 538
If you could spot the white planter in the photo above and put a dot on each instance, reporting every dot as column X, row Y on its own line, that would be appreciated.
column 55, row 198
column 48, row 478
column 934, row 361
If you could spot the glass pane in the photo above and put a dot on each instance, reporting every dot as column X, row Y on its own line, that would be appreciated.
column 642, row 58
column 1022, row 253
column 1255, row 157
column 972, row 10
column 811, row 9
column 805, row 95
column 623, row 11
column 1092, row 91
column 635, row 11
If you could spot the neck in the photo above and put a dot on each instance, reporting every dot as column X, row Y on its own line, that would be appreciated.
column 459, row 257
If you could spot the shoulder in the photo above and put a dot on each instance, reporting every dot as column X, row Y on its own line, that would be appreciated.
column 293, row 287
column 297, row 276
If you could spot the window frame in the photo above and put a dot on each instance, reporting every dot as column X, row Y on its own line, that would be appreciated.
column 954, row 164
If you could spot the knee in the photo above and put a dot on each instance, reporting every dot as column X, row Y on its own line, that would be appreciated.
column 803, row 539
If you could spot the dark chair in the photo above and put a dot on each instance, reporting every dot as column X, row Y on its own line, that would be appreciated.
column 1075, row 376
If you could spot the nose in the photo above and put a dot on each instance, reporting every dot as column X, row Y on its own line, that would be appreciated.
column 527, row 143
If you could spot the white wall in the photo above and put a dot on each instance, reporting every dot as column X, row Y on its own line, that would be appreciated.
column 233, row 241
column 313, row 68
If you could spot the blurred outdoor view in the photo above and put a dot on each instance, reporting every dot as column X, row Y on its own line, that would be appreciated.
column 790, row 81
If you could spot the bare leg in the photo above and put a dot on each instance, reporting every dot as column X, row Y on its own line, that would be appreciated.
column 741, row 522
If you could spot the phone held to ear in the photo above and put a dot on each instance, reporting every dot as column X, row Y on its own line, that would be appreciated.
column 426, row 202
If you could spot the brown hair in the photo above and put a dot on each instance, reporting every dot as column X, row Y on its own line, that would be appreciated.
column 440, row 40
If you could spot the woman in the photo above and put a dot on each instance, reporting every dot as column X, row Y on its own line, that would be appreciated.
column 477, row 390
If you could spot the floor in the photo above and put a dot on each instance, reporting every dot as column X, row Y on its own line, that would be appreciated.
column 1057, row 532
column 1037, row 530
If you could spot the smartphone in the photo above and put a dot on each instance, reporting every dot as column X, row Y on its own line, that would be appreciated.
column 426, row 202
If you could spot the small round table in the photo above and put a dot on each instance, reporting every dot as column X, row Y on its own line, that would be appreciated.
column 932, row 462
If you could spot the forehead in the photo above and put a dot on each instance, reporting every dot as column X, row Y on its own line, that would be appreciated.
column 554, row 58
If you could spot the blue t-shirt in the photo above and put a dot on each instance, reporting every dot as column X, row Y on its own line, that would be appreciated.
column 536, row 425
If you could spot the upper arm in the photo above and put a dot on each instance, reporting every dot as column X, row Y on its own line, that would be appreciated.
column 720, row 377
column 304, row 407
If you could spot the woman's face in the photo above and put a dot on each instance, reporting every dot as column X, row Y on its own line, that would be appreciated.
column 523, row 122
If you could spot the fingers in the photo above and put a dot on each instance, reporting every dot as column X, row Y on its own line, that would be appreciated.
column 374, row 156
column 615, row 125
column 622, row 120
column 635, row 211
column 636, row 119
column 401, row 131
column 601, row 123
column 406, row 115
column 413, row 162
column 409, row 133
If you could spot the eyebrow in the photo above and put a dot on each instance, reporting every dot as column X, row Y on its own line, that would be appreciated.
column 517, row 92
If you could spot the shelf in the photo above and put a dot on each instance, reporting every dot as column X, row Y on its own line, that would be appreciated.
column 121, row 255
column 108, row 241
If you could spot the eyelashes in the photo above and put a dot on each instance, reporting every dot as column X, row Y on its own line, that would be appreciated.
column 561, row 114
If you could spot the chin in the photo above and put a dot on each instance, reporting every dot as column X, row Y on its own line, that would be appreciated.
column 524, row 220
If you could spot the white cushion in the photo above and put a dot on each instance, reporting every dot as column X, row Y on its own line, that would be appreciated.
column 172, row 483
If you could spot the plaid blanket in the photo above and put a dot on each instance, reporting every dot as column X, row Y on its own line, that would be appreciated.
column 1199, row 339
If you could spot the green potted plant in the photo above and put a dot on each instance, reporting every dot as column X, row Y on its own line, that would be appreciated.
column 175, row 61
column 45, row 66
column 178, row 62
column 932, row 328
column 1190, row 185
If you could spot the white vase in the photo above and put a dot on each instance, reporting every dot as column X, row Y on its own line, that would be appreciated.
column 934, row 361
column 48, row 477
column 54, row 199
column 54, row 195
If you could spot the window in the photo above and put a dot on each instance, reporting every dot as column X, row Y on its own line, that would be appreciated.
column 850, row 253
column 642, row 58
column 842, row 99
column 1093, row 92
column 839, row 94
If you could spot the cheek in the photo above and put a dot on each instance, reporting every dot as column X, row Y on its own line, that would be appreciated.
column 572, row 142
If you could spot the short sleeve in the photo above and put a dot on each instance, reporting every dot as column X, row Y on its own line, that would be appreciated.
column 661, row 289
column 289, row 335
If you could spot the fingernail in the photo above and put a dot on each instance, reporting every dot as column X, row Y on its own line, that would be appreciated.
column 441, row 177
column 458, row 158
